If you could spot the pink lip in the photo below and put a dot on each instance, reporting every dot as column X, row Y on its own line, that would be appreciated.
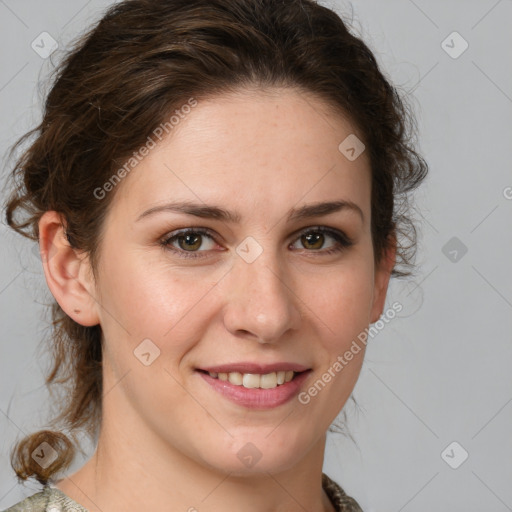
column 246, row 367
column 257, row 398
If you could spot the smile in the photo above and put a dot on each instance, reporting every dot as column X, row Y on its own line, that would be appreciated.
column 253, row 390
column 255, row 380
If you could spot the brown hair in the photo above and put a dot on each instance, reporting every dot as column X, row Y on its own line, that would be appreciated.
column 120, row 80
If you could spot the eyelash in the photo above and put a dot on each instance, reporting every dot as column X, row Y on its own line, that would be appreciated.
column 343, row 241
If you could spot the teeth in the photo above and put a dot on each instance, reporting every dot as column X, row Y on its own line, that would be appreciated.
column 235, row 378
column 250, row 380
column 254, row 380
column 268, row 381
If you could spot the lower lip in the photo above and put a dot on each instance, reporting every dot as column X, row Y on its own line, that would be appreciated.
column 257, row 398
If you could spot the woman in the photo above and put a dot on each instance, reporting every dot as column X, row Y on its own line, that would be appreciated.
column 219, row 192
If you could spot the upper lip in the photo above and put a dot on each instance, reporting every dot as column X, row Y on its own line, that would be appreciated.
column 246, row 367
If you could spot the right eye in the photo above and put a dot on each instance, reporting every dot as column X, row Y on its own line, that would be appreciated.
column 188, row 242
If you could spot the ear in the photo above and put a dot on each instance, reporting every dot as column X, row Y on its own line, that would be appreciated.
column 382, row 276
column 67, row 271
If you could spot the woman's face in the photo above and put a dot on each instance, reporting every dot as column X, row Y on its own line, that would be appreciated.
column 254, row 283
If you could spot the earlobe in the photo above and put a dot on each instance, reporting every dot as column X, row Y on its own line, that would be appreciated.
column 381, row 282
column 67, row 272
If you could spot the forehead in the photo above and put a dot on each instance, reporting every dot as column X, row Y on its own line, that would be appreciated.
column 258, row 151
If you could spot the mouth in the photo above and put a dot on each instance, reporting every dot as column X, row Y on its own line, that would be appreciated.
column 255, row 386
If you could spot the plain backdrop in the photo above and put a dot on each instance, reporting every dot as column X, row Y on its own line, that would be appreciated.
column 433, row 428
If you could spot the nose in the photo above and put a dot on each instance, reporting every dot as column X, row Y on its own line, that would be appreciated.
column 261, row 303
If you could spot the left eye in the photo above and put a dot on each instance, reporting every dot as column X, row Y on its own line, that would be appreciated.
column 315, row 239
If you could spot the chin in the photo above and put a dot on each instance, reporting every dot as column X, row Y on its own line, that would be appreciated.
column 257, row 452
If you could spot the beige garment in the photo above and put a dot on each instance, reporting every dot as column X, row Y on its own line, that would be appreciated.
column 51, row 499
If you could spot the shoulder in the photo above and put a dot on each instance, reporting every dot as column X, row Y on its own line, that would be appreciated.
column 340, row 500
column 50, row 499
column 35, row 503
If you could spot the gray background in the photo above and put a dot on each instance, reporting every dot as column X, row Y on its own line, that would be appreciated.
column 442, row 371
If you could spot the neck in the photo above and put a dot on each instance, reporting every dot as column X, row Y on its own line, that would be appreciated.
column 148, row 474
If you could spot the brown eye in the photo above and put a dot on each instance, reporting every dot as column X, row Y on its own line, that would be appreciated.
column 314, row 241
column 188, row 242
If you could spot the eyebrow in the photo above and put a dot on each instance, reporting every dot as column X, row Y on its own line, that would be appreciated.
column 218, row 213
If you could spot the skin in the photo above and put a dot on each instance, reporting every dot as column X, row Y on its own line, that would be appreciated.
column 167, row 437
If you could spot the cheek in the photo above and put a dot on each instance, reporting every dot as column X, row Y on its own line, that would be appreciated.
column 341, row 313
column 341, row 301
column 151, row 300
